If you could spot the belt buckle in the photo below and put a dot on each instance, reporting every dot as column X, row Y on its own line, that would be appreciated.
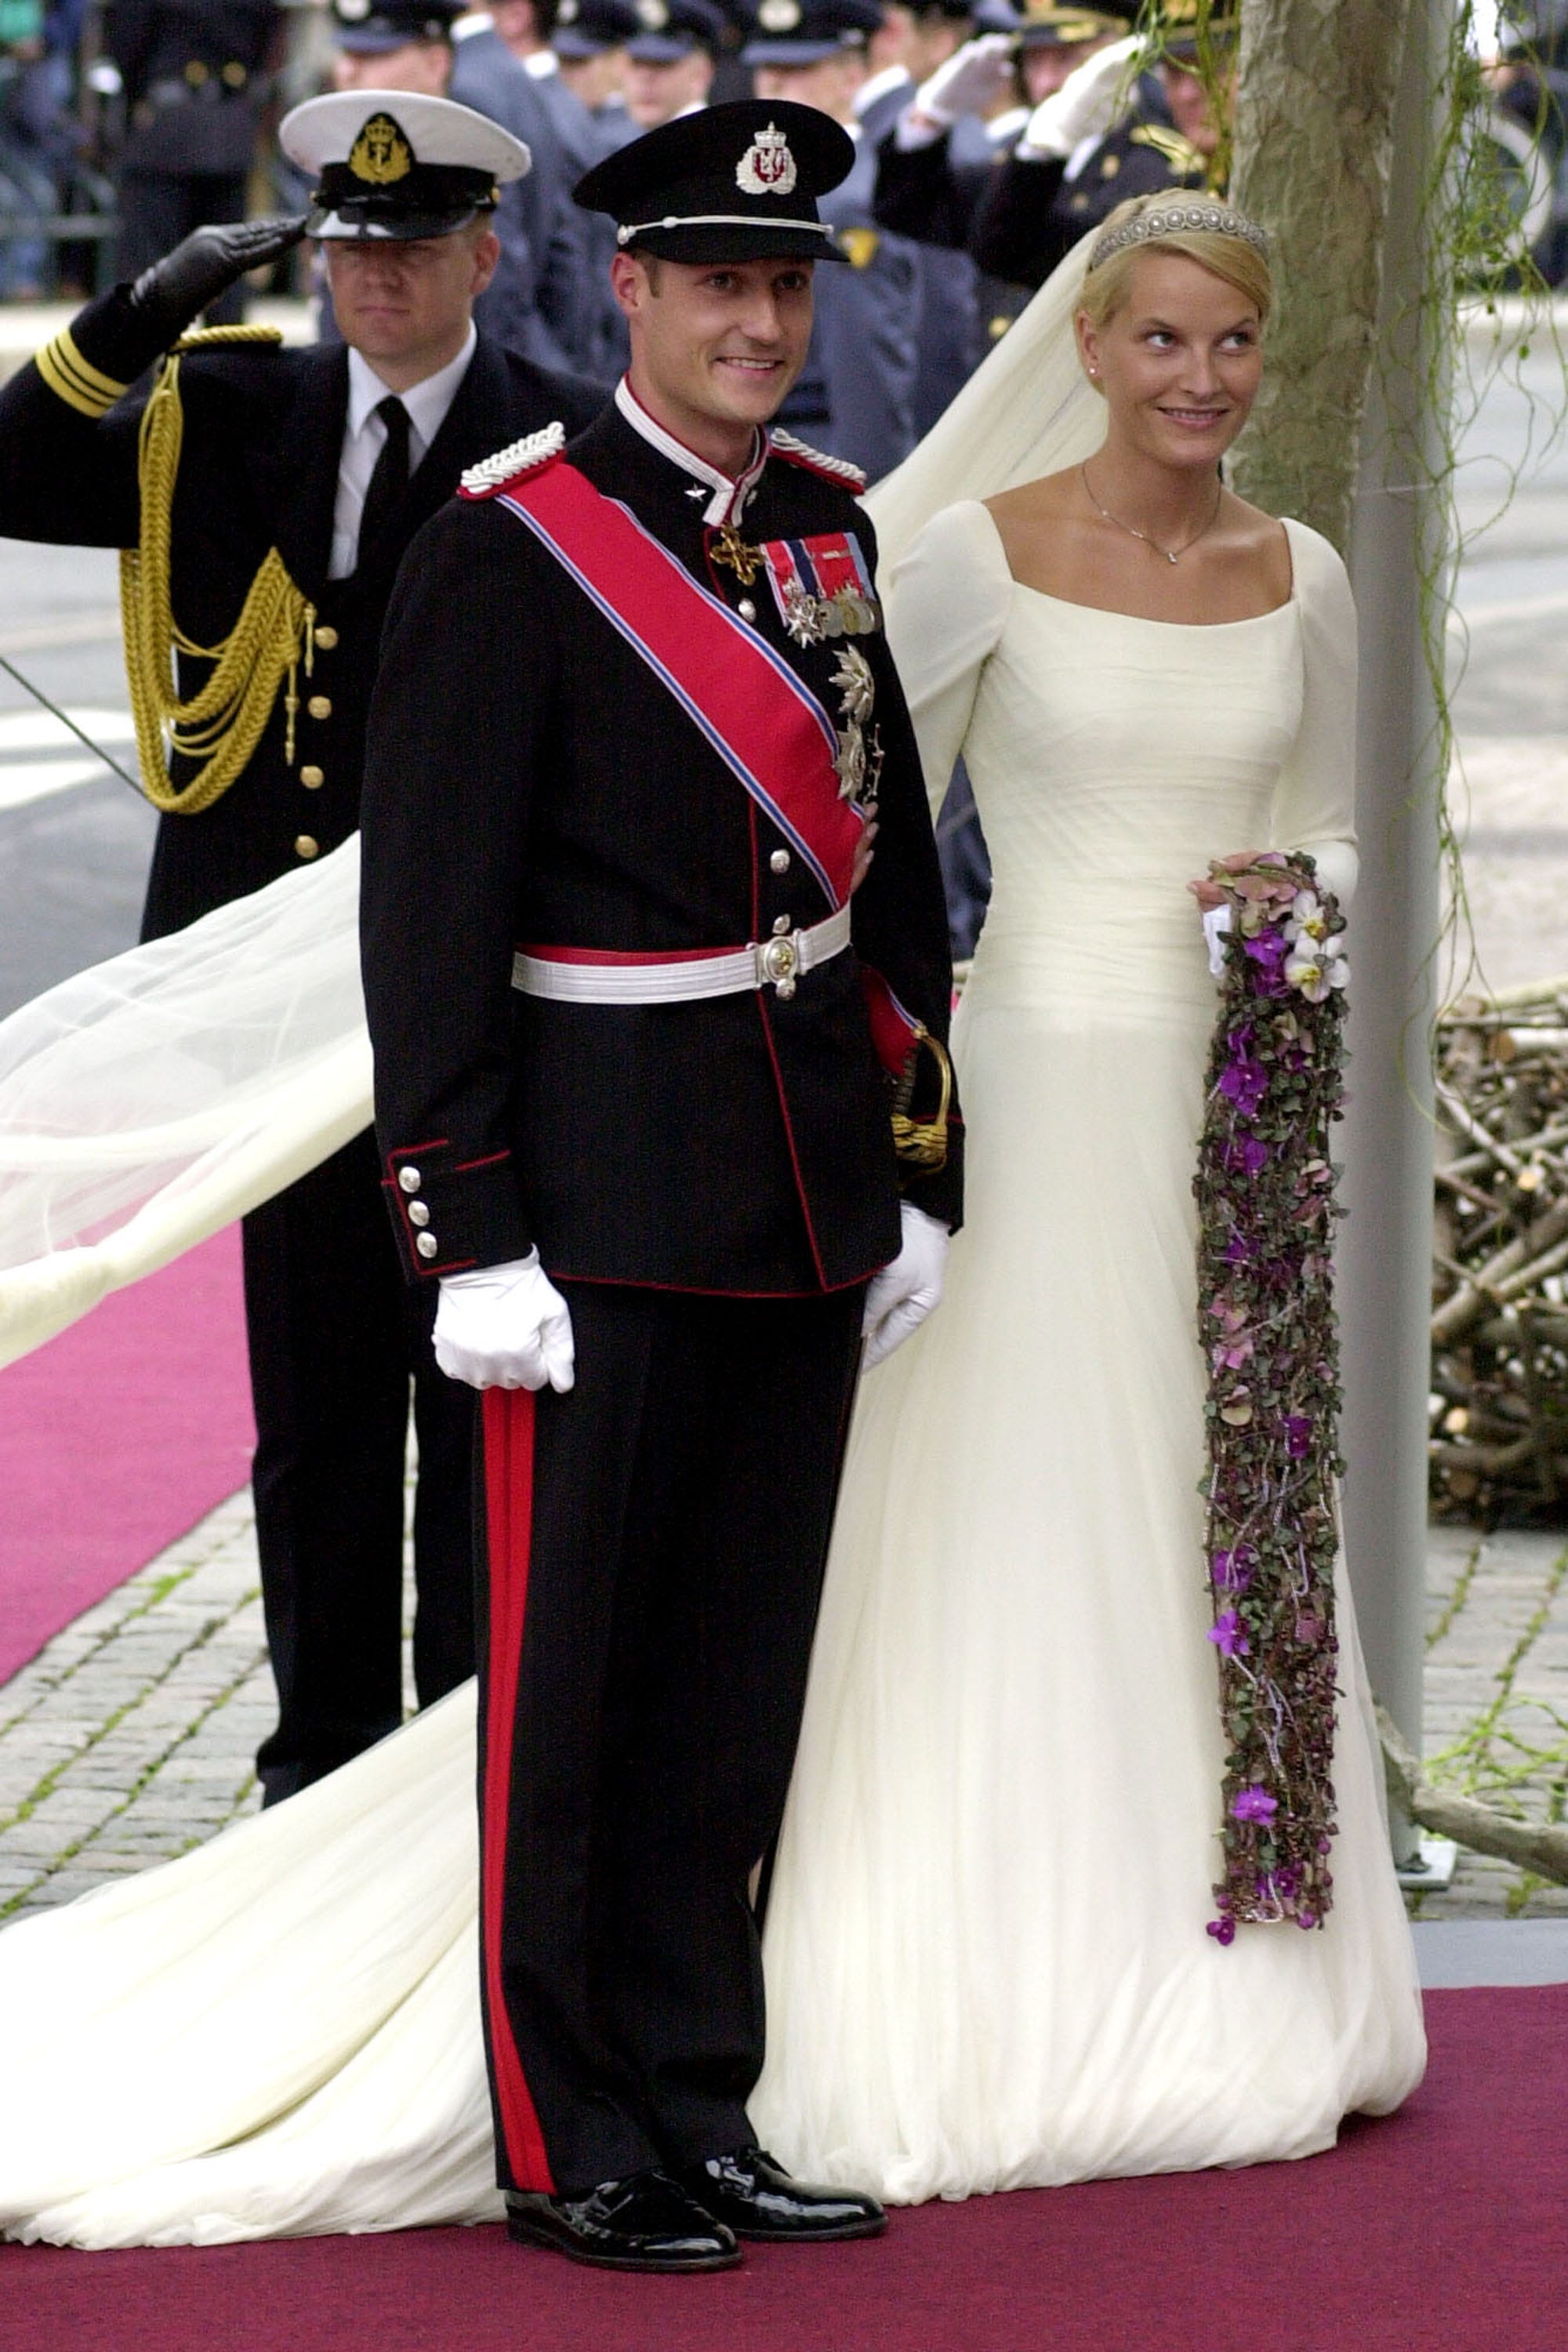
column 778, row 961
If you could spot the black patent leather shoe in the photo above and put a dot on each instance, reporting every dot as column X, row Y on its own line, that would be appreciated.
column 752, row 2195
column 645, row 2223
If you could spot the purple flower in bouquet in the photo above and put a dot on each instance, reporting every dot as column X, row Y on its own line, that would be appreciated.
column 1237, row 1252
column 1228, row 1634
column 1245, row 1156
column 1297, row 1437
column 1245, row 1084
column 1222, row 1931
column 1232, row 1570
column 1253, row 1804
column 1269, row 948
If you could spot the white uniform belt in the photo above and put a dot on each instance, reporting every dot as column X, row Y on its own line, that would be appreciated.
column 776, row 964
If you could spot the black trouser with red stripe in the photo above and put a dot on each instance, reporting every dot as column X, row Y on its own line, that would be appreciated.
column 656, row 1540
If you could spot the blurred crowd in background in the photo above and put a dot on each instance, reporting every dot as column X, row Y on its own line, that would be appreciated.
column 989, row 134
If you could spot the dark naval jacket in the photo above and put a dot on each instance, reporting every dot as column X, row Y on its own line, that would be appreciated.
column 531, row 784
column 259, row 468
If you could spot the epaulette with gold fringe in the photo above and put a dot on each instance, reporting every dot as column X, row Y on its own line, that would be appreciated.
column 518, row 459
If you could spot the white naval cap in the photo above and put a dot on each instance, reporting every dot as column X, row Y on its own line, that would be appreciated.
column 395, row 163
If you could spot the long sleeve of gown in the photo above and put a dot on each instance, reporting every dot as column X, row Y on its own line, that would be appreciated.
column 1314, row 801
column 946, row 606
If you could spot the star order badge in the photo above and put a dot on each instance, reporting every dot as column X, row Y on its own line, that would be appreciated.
column 767, row 168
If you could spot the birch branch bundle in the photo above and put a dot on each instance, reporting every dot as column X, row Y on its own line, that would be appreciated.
column 1499, row 1432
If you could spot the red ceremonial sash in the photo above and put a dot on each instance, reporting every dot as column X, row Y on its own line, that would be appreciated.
column 766, row 726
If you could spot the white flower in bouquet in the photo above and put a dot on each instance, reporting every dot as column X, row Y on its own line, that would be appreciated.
column 1315, row 972
column 1308, row 919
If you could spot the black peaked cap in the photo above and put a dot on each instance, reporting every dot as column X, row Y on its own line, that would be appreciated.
column 736, row 182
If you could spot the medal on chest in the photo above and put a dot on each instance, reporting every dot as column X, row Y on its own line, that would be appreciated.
column 821, row 586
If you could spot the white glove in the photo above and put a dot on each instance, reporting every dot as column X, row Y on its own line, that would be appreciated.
column 504, row 1327
column 1216, row 925
column 1085, row 107
column 903, row 1293
column 968, row 81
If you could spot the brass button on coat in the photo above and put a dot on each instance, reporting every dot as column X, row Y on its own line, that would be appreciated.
column 426, row 1244
column 312, row 779
column 779, row 861
column 320, row 706
column 418, row 1214
column 326, row 637
column 306, row 845
column 409, row 1179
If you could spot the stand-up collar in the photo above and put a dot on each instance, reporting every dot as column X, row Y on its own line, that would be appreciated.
column 728, row 501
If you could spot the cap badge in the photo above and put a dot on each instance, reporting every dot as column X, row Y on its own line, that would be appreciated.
column 380, row 153
column 354, row 9
column 567, row 13
column 652, row 15
column 779, row 15
column 767, row 167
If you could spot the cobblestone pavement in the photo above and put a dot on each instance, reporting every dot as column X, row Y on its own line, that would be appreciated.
column 130, row 1737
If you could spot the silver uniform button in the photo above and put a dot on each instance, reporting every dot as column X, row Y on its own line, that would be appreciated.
column 418, row 1214
column 426, row 1244
column 410, row 1179
column 746, row 609
column 781, row 925
column 779, row 861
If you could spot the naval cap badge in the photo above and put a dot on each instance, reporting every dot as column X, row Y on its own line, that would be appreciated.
column 767, row 168
column 653, row 16
column 380, row 153
column 779, row 15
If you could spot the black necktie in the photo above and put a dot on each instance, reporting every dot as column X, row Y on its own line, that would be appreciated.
column 390, row 478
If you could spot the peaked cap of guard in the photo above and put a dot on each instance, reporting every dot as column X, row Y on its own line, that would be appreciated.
column 737, row 183
column 395, row 163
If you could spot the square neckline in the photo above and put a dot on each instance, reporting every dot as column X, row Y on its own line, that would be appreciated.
column 1147, row 620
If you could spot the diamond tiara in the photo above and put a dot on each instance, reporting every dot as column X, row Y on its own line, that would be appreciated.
column 1174, row 220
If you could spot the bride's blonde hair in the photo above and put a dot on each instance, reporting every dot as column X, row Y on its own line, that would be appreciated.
column 1204, row 228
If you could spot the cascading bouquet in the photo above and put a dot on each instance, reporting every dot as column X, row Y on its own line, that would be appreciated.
column 1266, row 1313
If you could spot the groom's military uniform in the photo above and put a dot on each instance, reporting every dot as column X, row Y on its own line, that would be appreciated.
column 631, row 718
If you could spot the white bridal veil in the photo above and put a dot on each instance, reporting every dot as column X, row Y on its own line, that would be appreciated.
column 152, row 1099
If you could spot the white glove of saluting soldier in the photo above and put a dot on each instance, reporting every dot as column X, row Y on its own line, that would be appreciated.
column 965, row 83
column 904, row 1293
column 505, row 1327
column 1085, row 107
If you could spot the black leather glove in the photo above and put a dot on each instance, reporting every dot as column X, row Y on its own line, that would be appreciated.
column 166, row 298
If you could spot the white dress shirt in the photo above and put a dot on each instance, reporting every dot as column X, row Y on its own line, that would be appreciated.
column 365, row 437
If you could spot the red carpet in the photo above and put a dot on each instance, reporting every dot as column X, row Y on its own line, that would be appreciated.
column 117, row 1437
column 1441, row 2230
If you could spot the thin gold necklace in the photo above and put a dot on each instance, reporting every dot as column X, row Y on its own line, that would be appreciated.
column 1170, row 554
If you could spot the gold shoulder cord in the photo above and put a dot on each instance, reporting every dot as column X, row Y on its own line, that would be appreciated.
column 922, row 1142
column 223, row 724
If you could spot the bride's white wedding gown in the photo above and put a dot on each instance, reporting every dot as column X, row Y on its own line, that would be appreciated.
column 986, row 1956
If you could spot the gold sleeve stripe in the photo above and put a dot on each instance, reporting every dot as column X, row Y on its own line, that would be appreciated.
column 75, row 379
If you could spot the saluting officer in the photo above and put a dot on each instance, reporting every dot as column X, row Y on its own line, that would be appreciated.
column 1094, row 142
column 858, row 394
column 194, row 74
column 271, row 493
column 630, row 1027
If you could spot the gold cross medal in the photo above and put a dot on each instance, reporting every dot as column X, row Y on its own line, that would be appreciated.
column 822, row 587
